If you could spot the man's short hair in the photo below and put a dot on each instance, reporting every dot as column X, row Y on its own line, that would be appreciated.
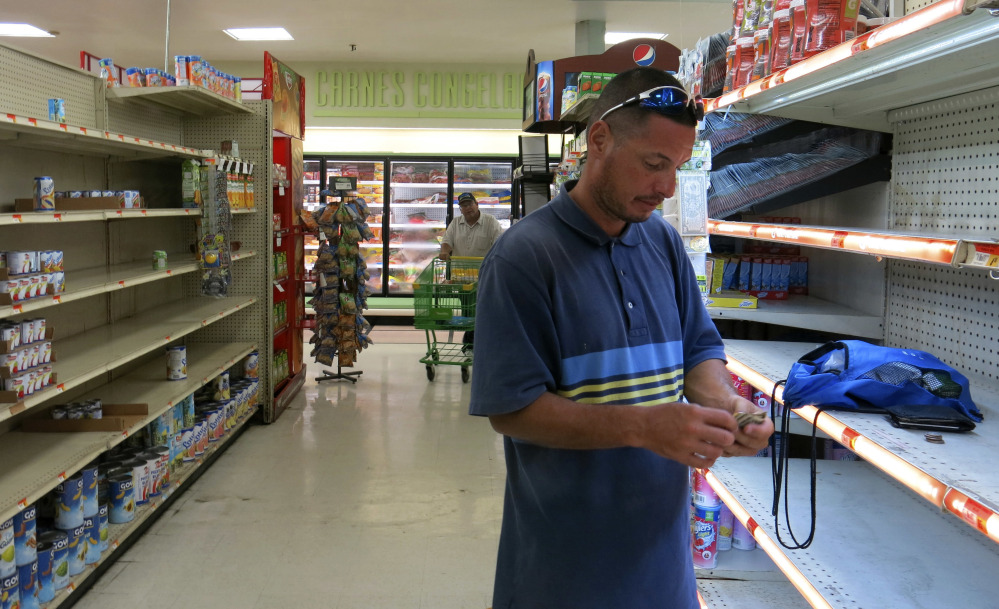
column 628, row 84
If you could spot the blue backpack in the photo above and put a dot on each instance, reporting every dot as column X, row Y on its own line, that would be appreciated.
column 854, row 375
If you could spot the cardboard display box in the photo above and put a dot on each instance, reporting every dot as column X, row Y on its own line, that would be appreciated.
column 117, row 417
column 729, row 299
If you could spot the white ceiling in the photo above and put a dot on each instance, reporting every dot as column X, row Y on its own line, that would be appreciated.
column 133, row 32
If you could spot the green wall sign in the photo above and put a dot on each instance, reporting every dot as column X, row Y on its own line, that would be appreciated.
column 416, row 93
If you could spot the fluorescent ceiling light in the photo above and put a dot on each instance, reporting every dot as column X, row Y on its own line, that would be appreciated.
column 616, row 37
column 259, row 33
column 22, row 29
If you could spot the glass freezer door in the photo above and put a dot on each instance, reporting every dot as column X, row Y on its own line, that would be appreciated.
column 490, row 183
column 370, row 184
column 417, row 219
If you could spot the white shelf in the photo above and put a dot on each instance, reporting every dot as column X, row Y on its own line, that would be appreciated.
column 61, row 137
column 722, row 593
column 90, row 354
column 409, row 246
column 743, row 565
column 440, row 205
column 85, row 283
column 417, row 226
column 310, row 181
column 876, row 545
column 807, row 312
column 97, row 215
column 31, row 464
column 460, row 188
column 957, row 465
column 196, row 101
column 439, row 186
column 957, row 55
column 118, row 533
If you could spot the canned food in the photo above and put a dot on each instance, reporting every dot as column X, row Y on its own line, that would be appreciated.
column 76, row 550
column 121, row 490
column 159, row 260
column 44, row 194
column 58, row 569
column 8, row 566
column 76, row 194
column 102, row 524
column 25, row 536
column 742, row 539
column 91, row 540
column 136, row 77
column 20, row 263
column 705, row 538
column 46, row 554
column 27, row 577
column 93, row 194
column 58, row 282
column 177, row 363
column 221, row 385
column 9, row 594
column 250, row 365
column 89, row 497
column 180, row 70
column 69, row 502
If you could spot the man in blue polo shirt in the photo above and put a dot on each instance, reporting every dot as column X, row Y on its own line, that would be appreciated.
column 590, row 329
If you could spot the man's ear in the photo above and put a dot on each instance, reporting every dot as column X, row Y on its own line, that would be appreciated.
column 599, row 139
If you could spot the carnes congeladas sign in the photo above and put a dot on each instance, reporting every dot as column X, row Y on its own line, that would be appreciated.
column 417, row 93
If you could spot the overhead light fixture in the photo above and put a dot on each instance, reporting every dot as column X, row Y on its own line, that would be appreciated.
column 259, row 33
column 24, row 30
column 616, row 37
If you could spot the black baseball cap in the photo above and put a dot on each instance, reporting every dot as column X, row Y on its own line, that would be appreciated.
column 466, row 197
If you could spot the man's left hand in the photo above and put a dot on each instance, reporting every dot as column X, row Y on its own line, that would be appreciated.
column 753, row 437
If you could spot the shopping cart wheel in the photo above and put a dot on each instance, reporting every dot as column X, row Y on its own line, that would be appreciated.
column 464, row 374
column 430, row 372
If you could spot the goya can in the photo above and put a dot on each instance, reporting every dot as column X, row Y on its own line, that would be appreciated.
column 8, row 566
column 102, row 526
column 9, row 594
column 46, row 554
column 59, row 541
column 121, row 493
column 76, row 550
column 69, row 503
column 177, row 363
column 27, row 587
column 89, row 497
column 44, row 193
column 25, row 536
column 91, row 539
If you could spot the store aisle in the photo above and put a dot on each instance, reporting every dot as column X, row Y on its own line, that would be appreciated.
column 384, row 494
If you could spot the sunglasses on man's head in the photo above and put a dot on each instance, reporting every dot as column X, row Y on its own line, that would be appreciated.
column 665, row 100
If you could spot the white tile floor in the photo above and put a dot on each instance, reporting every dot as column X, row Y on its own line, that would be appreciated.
column 386, row 494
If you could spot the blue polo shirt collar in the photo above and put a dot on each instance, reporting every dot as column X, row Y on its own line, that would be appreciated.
column 575, row 218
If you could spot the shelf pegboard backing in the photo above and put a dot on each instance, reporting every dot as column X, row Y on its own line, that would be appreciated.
column 252, row 276
column 946, row 180
column 146, row 121
column 29, row 83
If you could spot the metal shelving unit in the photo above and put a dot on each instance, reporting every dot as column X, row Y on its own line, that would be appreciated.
column 100, row 280
column 808, row 312
column 89, row 354
column 721, row 593
column 192, row 100
column 951, row 476
column 876, row 545
column 887, row 69
column 31, row 464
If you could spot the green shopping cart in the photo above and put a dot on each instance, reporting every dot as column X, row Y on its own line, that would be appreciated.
column 444, row 301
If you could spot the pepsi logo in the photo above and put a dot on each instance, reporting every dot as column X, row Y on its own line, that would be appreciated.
column 644, row 55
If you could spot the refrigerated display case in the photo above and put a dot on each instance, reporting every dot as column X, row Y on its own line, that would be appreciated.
column 418, row 215
column 411, row 200
column 491, row 185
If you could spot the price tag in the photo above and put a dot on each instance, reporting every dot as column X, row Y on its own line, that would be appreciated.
column 281, row 190
column 71, row 587
column 23, row 503
column 169, row 271
column 121, row 284
column 18, row 308
column 278, row 286
column 57, row 217
column 61, row 477
column 16, row 218
column 33, row 121
column 124, row 434
column 83, row 130
column 57, row 299
column 60, row 387
column 839, row 238
column 114, row 544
